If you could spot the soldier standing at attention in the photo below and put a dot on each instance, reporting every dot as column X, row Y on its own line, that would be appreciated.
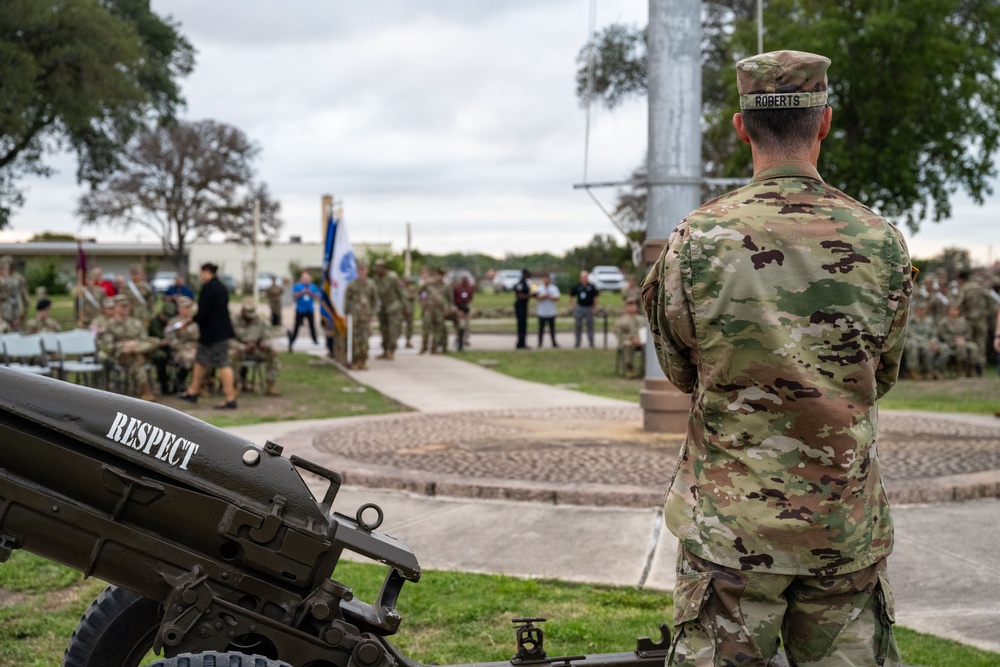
column 390, row 312
column 412, row 293
column 140, row 294
column 781, row 308
column 436, row 302
column 360, row 301
column 274, row 293
column 628, row 331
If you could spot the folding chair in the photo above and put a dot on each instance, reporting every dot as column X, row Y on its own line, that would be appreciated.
column 77, row 354
column 25, row 353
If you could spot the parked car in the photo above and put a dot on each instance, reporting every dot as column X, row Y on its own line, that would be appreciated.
column 264, row 280
column 607, row 278
column 162, row 280
column 505, row 279
column 228, row 281
column 455, row 276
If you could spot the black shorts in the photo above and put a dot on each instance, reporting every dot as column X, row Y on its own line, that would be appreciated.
column 213, row 355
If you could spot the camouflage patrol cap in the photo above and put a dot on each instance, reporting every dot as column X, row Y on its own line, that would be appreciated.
column 108, row 302
column 135, row 268
column 184, row 301
column 120, row 299
column 247, row 305
column 782, row 80
column 631, row 300
column 6, row 260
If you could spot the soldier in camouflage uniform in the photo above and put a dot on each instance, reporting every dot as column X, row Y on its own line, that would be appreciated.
column 42, row 321
column 781, row 307
column 974, row 304
column 182, row 334
column 435, row 303
column 628, row 328
column 13, row 293
column 124, row 341
column 140, row 294
column 926, row 356
column 955, row 332
column 360, row 301
column 252, row 343
column 412, row 293
column 274, row 295
column 392, row 307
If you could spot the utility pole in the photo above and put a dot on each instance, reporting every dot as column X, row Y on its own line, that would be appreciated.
column 674, row 167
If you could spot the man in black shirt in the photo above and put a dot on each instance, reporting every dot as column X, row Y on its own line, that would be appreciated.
column 215, row 329
column 522, row 294
column 586, row 303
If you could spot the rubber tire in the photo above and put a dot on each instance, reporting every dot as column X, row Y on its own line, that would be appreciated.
column 215, row 659
column 117, row 629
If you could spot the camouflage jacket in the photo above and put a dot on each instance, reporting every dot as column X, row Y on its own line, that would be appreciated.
column 974, row 301
column 179, row 337
column 118, row 331
column 251, row 331
column 361, row 298
column 950, row 329
column 38, row 324
column 627, row 328
column 274, row 294
column 390, row 292
column 142, row 297
column 437, row 296
column 921, row 330
column 781, row 307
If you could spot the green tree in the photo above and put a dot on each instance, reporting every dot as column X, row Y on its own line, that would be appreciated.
column 913, row 86
column 184, row 182
column 82, row 74
column 603, row 249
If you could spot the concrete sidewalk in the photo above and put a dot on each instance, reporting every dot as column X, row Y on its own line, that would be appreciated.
column 945, row 568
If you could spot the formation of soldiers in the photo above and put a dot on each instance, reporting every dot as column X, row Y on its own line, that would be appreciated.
column 394, row 300
column 949, row 327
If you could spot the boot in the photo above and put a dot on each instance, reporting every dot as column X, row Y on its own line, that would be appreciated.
column 390, row 354
column 272, row 390
column 363, row 365
column 144, row 392
column 384, row 355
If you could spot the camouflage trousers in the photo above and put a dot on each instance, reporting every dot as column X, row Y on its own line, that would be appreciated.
column 435, row 333
column 728, row 618
column 361, row 331
column 391, row 324
column 267, row 359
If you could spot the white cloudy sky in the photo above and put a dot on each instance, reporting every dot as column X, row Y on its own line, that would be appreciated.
column 457, row 116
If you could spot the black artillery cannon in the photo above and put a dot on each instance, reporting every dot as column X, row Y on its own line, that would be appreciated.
column 216, row 550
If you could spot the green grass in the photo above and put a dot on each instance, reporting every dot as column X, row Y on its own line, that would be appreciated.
column 448, row 617
column 587, row 370
column 592, row 371
column 310, row 389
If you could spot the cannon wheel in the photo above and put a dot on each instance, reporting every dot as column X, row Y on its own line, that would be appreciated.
column 214, row 659
column 117, row 629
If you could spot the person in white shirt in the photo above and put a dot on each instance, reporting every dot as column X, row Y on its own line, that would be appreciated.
column 548, row 297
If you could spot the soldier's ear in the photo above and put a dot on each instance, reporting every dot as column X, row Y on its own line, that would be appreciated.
column 741, row 130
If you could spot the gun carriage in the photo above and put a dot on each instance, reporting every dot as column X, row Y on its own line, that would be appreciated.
column 216, row 550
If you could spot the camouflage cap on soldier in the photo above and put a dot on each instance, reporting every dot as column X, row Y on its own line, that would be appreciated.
column 120, row 299
column 782, row 80
column 135, row 268
column 184, row 301
column 6, row 260
column 108, row 302
column 248, row 305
